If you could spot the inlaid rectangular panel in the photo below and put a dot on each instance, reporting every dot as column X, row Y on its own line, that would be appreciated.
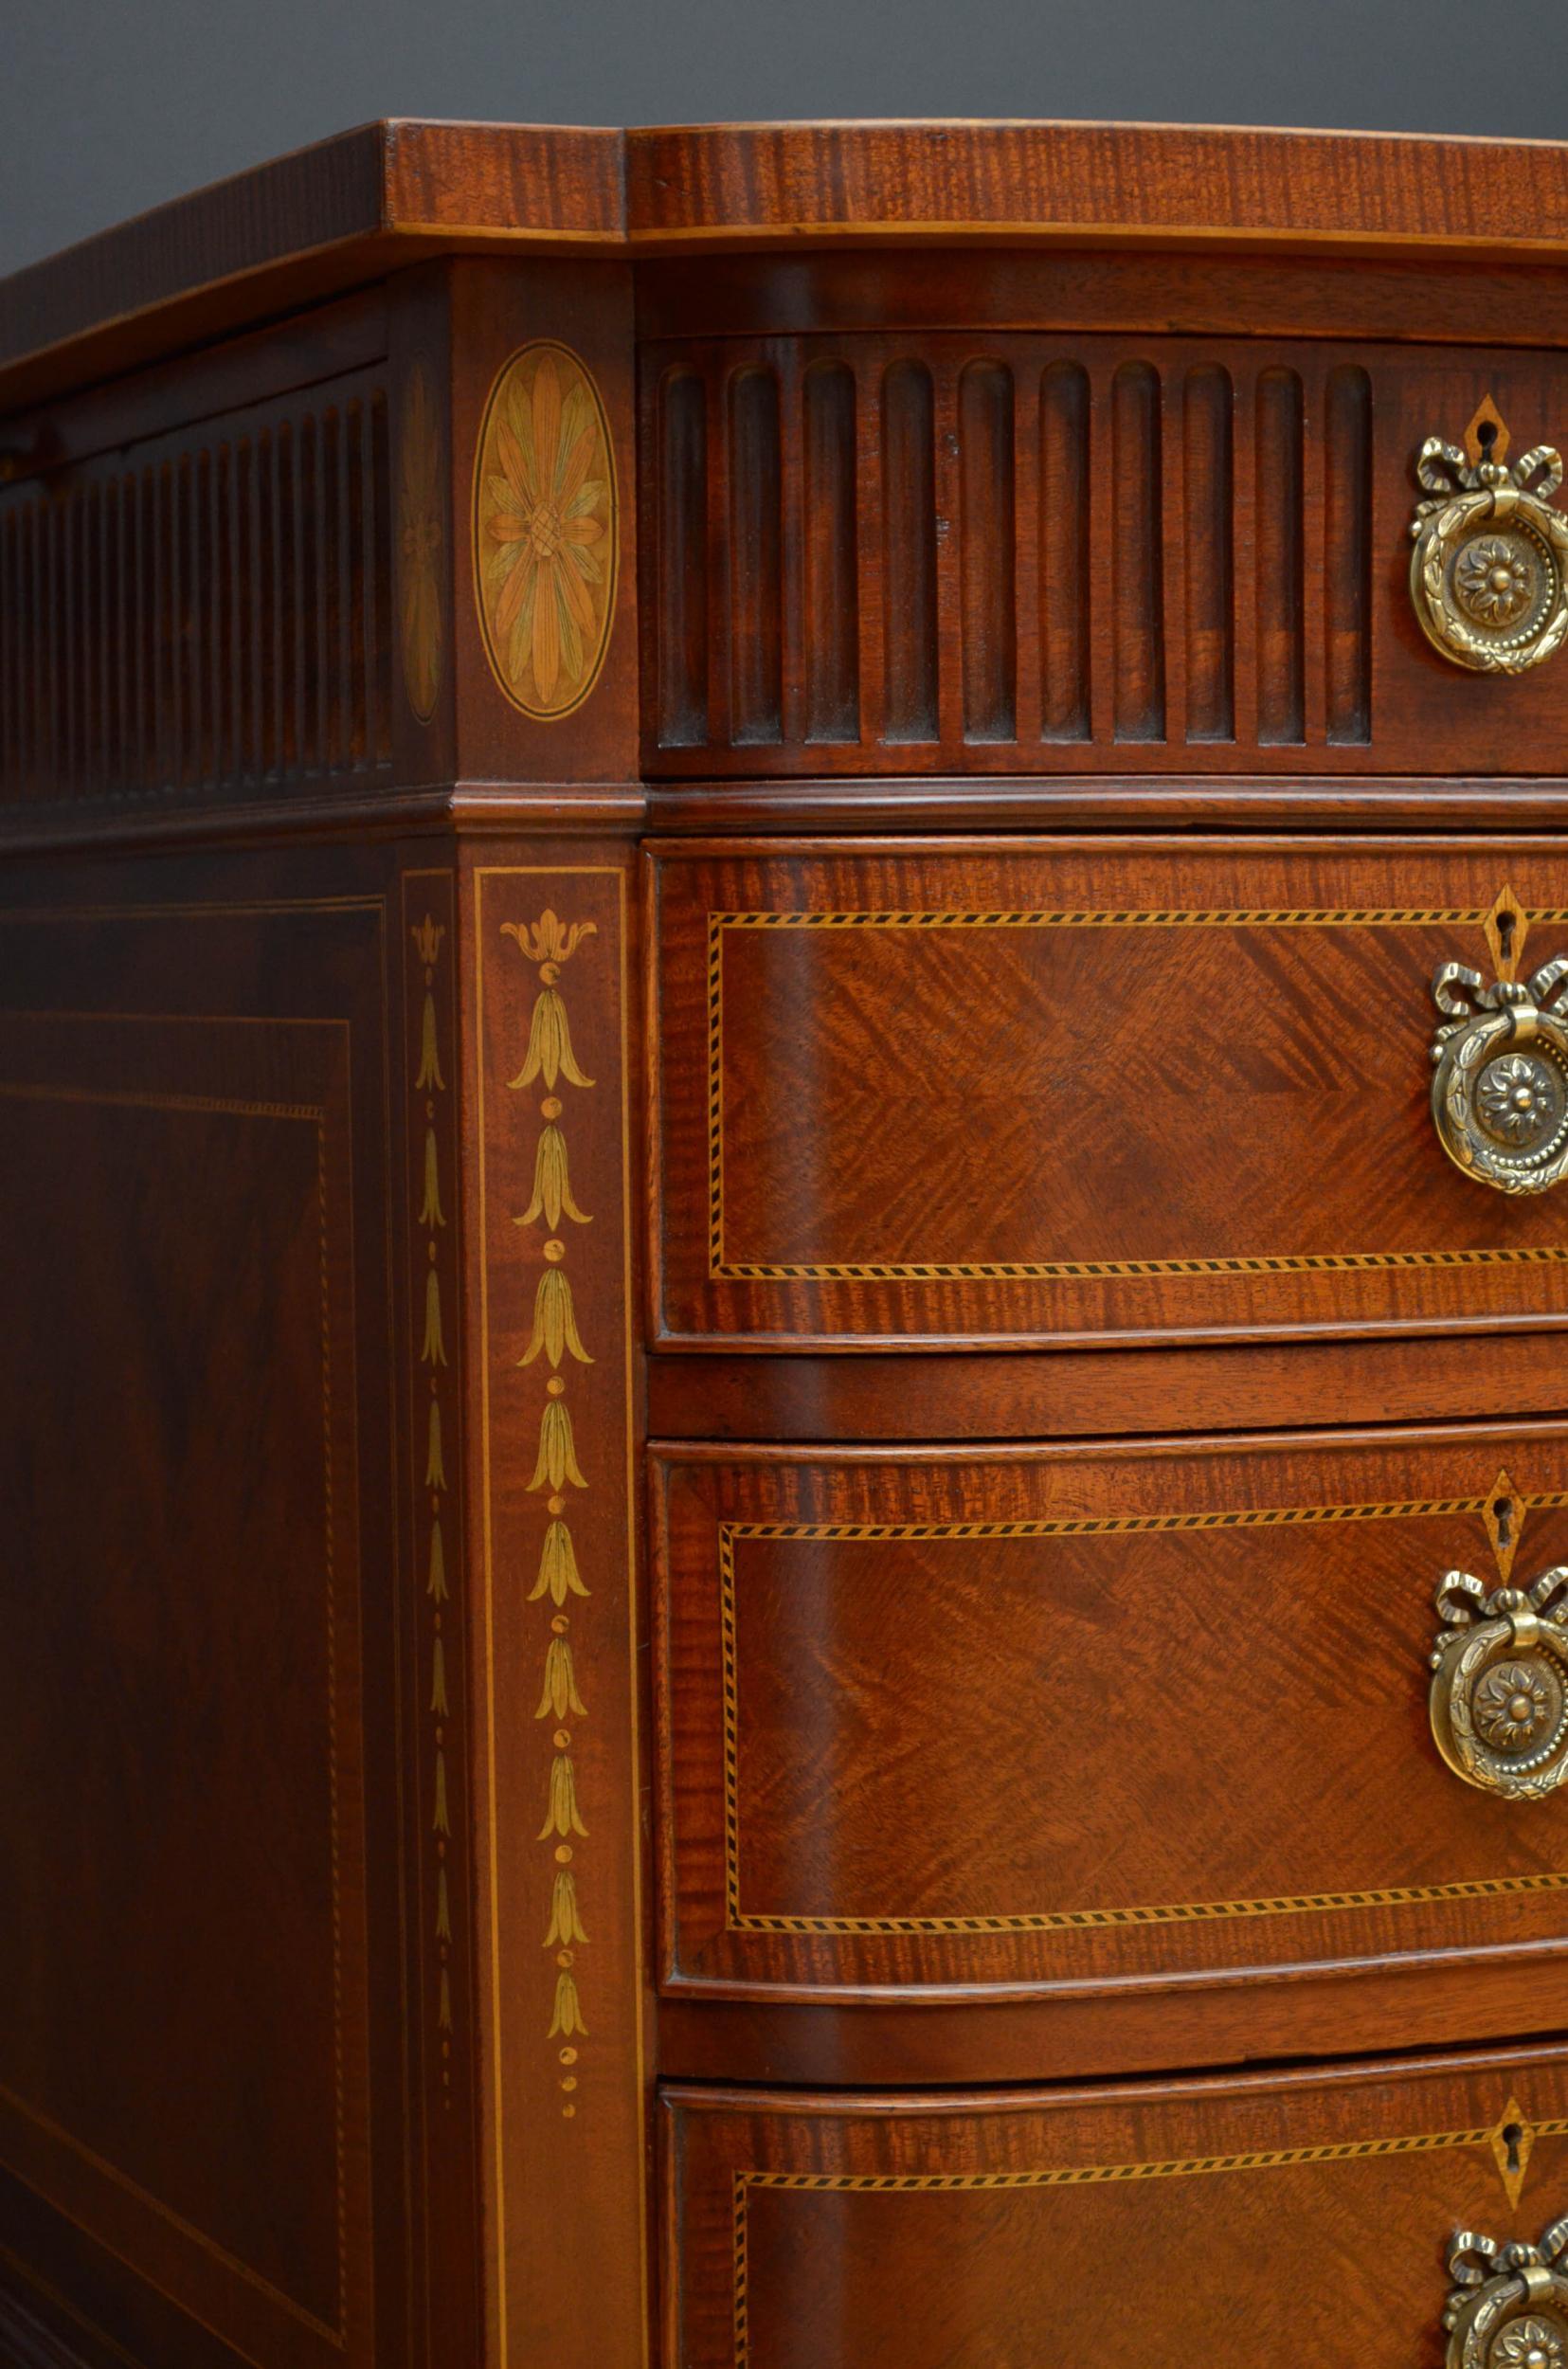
column 1267, row 2219
column 1010, row 1091
column 941, row 1721
column 195, row 1684
column 934, row 552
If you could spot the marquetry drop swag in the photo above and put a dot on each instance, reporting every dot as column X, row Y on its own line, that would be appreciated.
column 555, row 1336
column 780, row 1512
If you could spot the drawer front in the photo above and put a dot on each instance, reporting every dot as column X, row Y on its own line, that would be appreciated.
column 1299, row 2219
column 949, row 553
column 1060, row 1718
column 1056, row 1091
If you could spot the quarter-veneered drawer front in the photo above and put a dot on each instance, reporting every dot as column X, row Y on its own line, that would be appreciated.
column 1306, row 2220
column 1033, row 1091
column 1056, row 1718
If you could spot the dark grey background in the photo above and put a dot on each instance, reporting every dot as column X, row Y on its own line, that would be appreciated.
column 107, row 106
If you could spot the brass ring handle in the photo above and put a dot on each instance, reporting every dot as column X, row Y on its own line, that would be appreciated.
column 1500, row 1685
column 1509, row 2304
column 1499, row 1083
column 1488, row 575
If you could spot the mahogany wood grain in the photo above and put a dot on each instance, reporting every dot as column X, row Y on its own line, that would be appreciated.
column 331, row 217
column 552, row 1634
column 359, row 205
column 976, row 1092
column 1102, row 1392
column 936, row 2044
column 1061, row 1717
column 1035, row 496
column 1162, row 555
column 1197, row 291
column 1242, row 802
column 201, row 612
column 204, row 1970
column 254, row 2005
column 201, row 603
column 327, row 341
column 1174, row 183
column 1270, row 2216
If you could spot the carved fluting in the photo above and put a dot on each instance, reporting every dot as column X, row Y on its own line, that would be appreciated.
column 1347, row 555
column 213, row 618
column 1209, row 572
column 681, row 482
column 1280, row 573
column 753, row 472
column 832, row 579
column 906, row 524
column 1138, row 558
column 987, row 551
column 422, row 547
column 951, row 556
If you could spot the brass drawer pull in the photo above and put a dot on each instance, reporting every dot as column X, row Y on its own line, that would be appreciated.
column 1500, row 1088
column 1500, row 1685
column 1509, row 2304
column 1489, row 571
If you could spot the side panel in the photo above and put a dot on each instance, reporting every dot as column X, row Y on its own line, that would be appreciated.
column 198, row 1722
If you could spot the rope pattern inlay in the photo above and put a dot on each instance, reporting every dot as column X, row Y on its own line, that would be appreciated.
column 1066, row 2176
column 722, row 1270
column 737, row 1919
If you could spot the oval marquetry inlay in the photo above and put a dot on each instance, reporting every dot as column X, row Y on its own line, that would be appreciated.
column 545, row 530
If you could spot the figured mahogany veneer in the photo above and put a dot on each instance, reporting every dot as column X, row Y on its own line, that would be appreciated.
column 941, row 1723
column 887, row 1396
column 1293, row 2216
column 1035, row 1090
column 545, row 1758
column 373, row 201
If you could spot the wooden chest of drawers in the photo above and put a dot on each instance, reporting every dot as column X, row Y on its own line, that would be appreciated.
column 786, row 1433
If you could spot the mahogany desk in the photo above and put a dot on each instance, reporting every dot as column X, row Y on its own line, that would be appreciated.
column 785, row 1437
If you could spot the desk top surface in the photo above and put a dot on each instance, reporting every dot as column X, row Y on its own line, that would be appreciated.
column 350, row 209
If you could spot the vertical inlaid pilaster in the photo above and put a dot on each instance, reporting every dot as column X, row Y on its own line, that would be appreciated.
column 555, row 1645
